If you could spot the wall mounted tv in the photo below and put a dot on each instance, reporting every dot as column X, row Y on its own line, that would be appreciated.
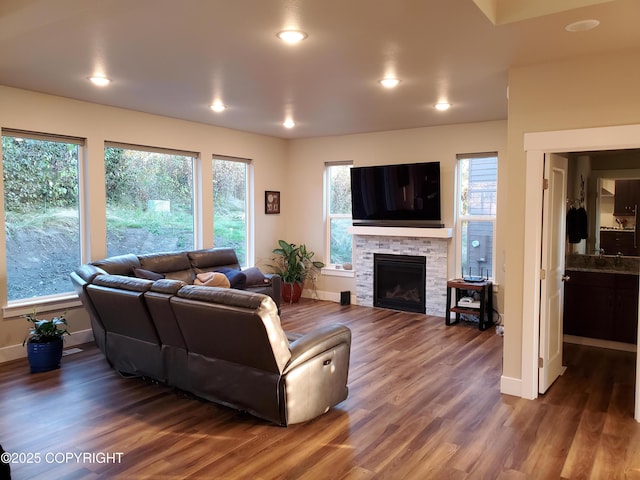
column 403, row 195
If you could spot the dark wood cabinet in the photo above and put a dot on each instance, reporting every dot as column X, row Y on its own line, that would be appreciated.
column 627, row 197
column 614, row 242
column 601, row 305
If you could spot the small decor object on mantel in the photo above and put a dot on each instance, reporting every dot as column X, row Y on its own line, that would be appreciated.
column 44, row 342
column 271, row 202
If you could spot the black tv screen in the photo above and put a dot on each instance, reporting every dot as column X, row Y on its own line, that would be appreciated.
column 405, row 195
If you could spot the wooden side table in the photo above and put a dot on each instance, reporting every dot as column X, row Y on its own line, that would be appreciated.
column 483, row 310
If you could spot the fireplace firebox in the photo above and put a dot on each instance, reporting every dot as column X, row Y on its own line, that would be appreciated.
column 399, row 282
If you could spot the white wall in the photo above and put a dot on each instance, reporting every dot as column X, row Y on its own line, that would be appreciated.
column 308, row 156
column 592, row 91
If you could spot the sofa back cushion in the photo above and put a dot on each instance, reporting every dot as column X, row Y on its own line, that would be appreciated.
column 232, row 325
column 213, row 258
column 173, row 265
column 120, row 303
column 118, row 265
column 158, row 302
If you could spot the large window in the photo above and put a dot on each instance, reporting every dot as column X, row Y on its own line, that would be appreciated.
column 338, row 198
column 149, row 199
column 42, row 221
column 230, row 205
column 477, row 200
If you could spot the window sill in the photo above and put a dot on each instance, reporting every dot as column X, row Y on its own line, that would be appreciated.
column 53, row 303
column 336, row 271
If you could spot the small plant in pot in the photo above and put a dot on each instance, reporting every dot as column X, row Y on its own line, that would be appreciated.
column 44, row 342
column 295, row 264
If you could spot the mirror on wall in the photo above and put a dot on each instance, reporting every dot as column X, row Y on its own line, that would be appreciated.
column 607, row 185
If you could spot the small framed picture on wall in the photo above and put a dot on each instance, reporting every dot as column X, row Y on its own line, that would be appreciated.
column 271, row 202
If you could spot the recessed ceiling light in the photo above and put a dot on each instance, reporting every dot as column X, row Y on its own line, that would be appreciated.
column 442, row 106
column 291, row 36
column 289, row 123
column 99, row 80
column 218, row 107
column 389, row 82
column 582, row 25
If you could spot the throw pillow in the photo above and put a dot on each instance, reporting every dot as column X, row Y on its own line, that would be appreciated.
column 147, row 274
column 236, row 277
column 212, row 279
column 255, row 276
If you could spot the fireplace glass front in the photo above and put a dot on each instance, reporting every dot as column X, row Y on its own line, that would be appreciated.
column 399, row 282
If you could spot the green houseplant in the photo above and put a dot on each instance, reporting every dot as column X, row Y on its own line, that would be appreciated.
column 295, row 264
column 44, row 342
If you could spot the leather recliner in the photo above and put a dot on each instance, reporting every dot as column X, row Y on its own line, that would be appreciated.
column 224, row 345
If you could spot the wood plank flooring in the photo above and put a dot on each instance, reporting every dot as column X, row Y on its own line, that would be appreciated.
column 424, row 403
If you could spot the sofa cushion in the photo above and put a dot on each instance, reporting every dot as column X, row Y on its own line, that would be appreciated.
column 118, row 265
column 148, row 274
column 167, row 286
column 212, row 279
column 165, row 262
column 254, row 276
column 209, row 259
column 174, row 265
column 88, row 272
column 123, row 282
column 237, row 279
column 222, row 296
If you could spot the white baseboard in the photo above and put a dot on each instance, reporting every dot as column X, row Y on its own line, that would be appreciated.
column 596, row 342
column 15, row 352
column 511, row 386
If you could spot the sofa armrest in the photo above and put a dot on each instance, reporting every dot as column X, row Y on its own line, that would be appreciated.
column 276, row 284
column 315, row 342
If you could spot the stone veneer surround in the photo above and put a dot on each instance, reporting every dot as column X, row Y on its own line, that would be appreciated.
column 433, row 249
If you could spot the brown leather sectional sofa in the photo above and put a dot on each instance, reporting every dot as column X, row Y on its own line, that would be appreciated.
column 221, row 344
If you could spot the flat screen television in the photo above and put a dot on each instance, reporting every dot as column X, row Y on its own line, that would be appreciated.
column 403, row 195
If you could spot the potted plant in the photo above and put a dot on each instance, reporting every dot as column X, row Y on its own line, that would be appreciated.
column 44, row 342
column 295, row 264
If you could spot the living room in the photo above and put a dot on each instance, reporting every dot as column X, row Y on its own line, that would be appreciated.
column 586, row 91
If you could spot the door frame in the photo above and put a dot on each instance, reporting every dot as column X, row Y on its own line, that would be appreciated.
column 536, row 145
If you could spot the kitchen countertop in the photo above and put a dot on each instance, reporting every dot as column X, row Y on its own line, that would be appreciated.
column 616, row 229
column 603, row 264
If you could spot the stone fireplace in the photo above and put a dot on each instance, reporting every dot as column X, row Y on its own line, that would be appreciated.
column 432, row 245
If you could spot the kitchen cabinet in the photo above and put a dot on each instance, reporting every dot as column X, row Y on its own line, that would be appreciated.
column 601, row 305
column 614, row 242
column 627, row 197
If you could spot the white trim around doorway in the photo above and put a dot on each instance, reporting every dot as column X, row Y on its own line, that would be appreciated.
column 536, row 145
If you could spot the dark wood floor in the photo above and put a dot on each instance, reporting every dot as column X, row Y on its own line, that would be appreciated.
column 424, row 403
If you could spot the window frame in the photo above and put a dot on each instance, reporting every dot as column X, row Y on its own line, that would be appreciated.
column 195, row 157
column 460, row 218
column 67, row 299
column 249, row 203
column 332, row 268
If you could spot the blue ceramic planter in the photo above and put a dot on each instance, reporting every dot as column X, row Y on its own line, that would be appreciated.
column 44, row 356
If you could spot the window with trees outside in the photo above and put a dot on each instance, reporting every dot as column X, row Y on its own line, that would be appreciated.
column 477, row 201
column 149, row 199
column 230, row 205
column 338, row 208
column 41, row 212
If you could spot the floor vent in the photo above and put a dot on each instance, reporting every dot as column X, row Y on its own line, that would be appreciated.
column 70, row 351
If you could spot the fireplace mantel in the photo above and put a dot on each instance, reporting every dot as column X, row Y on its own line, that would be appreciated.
column 402, row 232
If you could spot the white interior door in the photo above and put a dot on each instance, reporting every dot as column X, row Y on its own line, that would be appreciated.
column 552, row 274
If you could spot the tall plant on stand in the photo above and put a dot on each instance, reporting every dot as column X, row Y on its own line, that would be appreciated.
column 295, row 264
